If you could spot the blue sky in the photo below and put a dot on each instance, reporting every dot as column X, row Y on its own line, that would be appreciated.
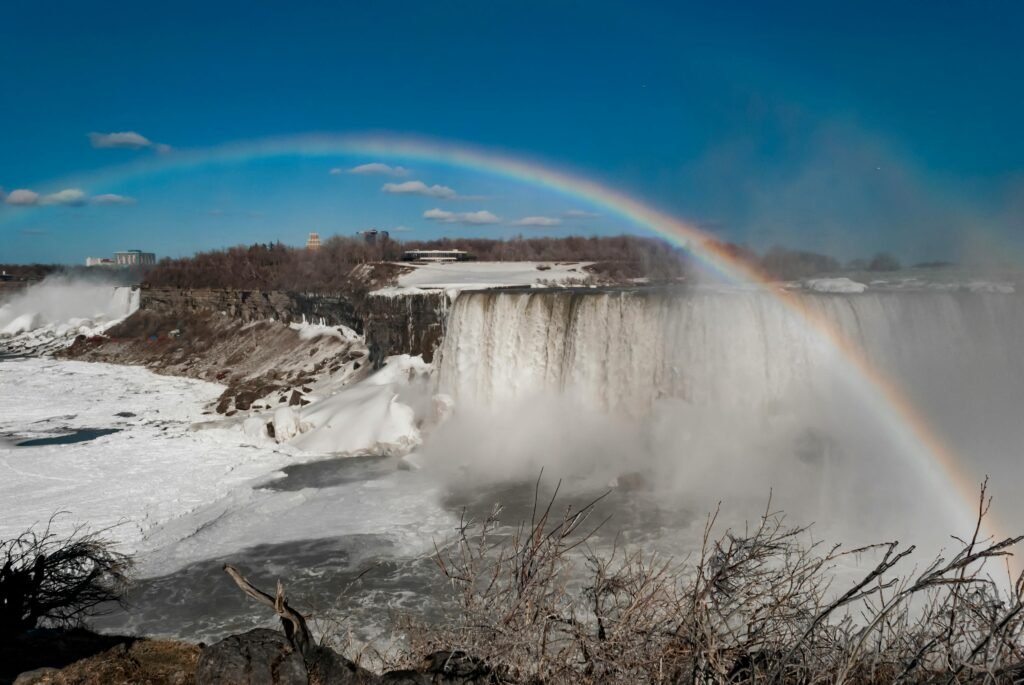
column 842, row 127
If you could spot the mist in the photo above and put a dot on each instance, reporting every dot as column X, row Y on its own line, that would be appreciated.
column 695, row 400
column 66, row 300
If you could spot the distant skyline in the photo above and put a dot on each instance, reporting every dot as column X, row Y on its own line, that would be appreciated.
column 841, row 128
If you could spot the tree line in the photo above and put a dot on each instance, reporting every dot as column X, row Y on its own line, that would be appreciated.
column 276, row 266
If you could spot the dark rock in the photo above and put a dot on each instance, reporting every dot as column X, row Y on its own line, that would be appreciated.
column 244, row 399
column 455, row 668
column 36, row 676
column 51, row 647
column 258, row 657
column 295, row 400
column 329, row 668
column 405, row 677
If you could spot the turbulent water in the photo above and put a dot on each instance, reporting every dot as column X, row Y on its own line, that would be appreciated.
column 733, row 392
column 47, row 316
column 622, row 351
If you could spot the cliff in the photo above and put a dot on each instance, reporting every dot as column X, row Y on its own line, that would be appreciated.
column 406, row 324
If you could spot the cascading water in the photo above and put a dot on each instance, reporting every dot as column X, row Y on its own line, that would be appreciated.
column 48, row 315
column 731, row 391
column 624, row 350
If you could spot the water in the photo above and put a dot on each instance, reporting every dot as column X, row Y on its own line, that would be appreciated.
column 730, row 394
column 81, row 435
column 331, row 472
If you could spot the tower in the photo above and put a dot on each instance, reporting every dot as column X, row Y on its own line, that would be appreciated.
column 313, row 242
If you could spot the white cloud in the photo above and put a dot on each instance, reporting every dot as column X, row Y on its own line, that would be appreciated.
column 580, row 214
column 402, row 229
column 22, row 198
column 71, row 197
column 126, row 139
column 420, row 188
column 537, row 221
column 374, row 168
column 473, row 218
column 129, row 139
column 113, row 199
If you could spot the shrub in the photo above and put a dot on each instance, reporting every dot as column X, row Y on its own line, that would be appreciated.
column 884, row 262
column 58, row 581
column 755, row 606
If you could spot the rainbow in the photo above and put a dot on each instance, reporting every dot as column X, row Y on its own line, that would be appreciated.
column 915, row 437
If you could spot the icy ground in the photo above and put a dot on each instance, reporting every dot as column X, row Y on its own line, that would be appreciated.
column 477, row 275
column 174, row 494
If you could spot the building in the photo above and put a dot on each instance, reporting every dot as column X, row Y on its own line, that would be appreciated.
column 134, row 258
column 372, row 235
column 313, row 241
column 435, row 256
column 98, row 261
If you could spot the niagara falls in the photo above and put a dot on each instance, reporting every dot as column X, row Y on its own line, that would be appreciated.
column 513, row 344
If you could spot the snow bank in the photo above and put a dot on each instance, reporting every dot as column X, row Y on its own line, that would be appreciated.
column 365, row 418
column 309, row 331
column 155, row 469
column 990, row 287
column 344, row 418
column 834, row 285
column 481, row 275
column 172, row 495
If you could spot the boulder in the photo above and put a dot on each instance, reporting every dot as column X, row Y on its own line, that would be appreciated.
column 36, row 676
column 258, row 657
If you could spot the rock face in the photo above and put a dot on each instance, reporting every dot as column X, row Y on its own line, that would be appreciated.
column 411, row 323
column 247, row 305
column 258, row 657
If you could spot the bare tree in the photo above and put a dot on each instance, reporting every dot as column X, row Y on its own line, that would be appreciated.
column 45, row 578
column 753, row 606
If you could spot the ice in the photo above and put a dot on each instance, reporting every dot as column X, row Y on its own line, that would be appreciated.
column 479, row 275
column 989, row 287
column 308, row 331
column 834, row 285
column 366, row 417
column 286, row 424
column 174, row 495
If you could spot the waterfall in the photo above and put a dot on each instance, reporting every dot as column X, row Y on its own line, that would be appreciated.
column 47, row 316
column 732, row 393
column 621, row 351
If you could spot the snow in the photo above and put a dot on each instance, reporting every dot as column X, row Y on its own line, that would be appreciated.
column 989, row 287
column 309, row 331
column 286, row 424
column 175, row 495
column 362, row 418
column 834, row 285
column 481, row 275
column 154, row 469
